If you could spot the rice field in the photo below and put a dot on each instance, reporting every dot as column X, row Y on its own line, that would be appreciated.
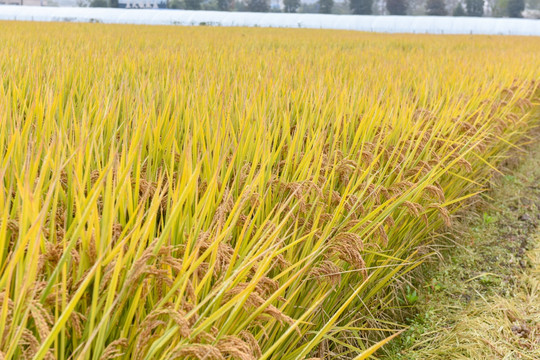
column 230, row 193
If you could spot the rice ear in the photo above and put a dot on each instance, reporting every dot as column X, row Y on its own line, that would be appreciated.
column 197, row 351
column 252, row 343
column 435, row 191
column 153, row 321
column 113, row 350
column 28, row 344
column 416, row 210
column 443, row 213
column 389, row 221
column 464, row 164
column 351, row 255
column 236, row 348
column 42, row 319
column 327, row 271
column 255, row 300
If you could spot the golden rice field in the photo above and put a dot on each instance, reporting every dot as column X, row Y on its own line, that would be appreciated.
column 230, row 193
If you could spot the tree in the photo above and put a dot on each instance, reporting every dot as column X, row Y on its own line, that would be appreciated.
column 224, row 5
column 193, row 4
column 475, row 7
column 500, row 8
column 175, row 4
column 98, row 3
column 291, row 6
column 436, row 8
column 361, row 7
column 396, row 7
column 459, row 10
column 325, row 6
column 258, row 6
column 515, row 7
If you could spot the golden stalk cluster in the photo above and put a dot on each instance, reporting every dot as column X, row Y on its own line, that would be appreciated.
column 211, row 193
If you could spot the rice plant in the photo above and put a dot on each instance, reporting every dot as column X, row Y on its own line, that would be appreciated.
column 211, row 193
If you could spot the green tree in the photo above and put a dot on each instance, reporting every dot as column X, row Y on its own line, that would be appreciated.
column 500, row 8
column 459, row 10
column 98, row 3
column 291, row 6
column 224, row 5
column 175, row 4
column 193, row 4
column 515, row 7
column 436, row 8
column 258, row 6
column 325, row 6
column 475, row 7
column 533, row 4
column 361, row 7
column 396, row 7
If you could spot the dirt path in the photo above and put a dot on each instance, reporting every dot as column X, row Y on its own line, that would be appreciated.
column 483, row 302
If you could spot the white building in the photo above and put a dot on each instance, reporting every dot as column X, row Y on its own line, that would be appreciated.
column 383, row 24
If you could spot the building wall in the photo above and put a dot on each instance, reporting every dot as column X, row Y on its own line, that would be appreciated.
column 24, row 2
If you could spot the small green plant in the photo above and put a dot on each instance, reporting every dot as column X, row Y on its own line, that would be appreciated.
column 510, row 178
column 419, row 325
column 411, row 296
column 488, row 280
column 488, row 219
column 436, row 286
